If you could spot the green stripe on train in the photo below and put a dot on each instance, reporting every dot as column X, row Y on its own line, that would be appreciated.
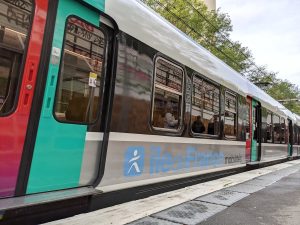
column 59, row 147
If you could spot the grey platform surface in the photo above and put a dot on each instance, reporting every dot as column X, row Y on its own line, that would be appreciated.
column 276, row 204
column 260, row 182
column 245, row 188
column 223, row 197
column 190, row 213
column 153, row 221
column 269, row 199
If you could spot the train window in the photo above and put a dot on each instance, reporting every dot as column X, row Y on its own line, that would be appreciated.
column 298, row 138
column 267, row 127
column 295, row 141
column 277, row 129
column 205, row 107
column 283, row 133
column 290, row 132
column 168, row 96
column 79, row 89
column 269, row 131
column 230, row 115
column 15, row 21
column 243, row 119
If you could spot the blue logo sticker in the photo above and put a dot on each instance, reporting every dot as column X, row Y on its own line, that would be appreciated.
column 134, row 161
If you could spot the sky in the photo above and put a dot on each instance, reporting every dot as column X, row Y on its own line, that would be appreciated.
column 271, row 30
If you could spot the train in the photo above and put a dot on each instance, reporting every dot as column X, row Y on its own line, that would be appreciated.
column 109, row 95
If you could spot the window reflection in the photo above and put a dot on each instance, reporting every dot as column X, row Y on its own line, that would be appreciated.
column 283, row 134
column 14, row 29
column 243, row 119
column 230, row 115
column 78, row 94
column 167, row 107
column 277, row 129
column 269, row 131
column 205, row 107
column 267, row 126
column 296, row 131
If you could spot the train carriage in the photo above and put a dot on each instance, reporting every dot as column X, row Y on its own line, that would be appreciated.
column 124, row 99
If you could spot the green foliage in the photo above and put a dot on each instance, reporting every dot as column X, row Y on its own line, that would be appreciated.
column 277, row 88
column 282, row 90
column 209, row 28
column 212, row 30
column 260, row 75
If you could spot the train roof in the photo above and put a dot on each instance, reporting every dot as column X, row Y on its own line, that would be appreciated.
column 141, row 22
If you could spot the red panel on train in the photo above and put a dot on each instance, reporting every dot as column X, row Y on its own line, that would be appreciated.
column 17, row 81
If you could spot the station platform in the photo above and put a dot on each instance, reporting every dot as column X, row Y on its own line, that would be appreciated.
column 269, row 195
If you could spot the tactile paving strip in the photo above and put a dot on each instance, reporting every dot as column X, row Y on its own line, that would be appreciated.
column 190, row 213
column 244, row 188
column 152, row 221
column 223, row 197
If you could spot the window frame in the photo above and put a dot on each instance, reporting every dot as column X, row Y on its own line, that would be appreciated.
column 22, row 65
column 226, row 137
column 103, row 72
column 183, row 94
column 213, row 83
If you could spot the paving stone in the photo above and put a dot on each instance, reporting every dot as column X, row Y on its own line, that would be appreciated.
column 244, row 188
column 223, row 197
column 152, row 221
column 190, row 213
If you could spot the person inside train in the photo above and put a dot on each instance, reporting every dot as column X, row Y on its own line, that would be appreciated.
column 198, row 126
column 277, row 135
column 169, row 121
column 212, row 125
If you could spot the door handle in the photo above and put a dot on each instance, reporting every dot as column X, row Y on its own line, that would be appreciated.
column 28, row 84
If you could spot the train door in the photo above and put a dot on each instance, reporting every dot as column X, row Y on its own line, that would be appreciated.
column 69, row 137
column 255, row 130
column 22, row 26
column 249, row 131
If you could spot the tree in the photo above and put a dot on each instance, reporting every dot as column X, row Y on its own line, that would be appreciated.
column 212, row 30
column 277, row 88
column 261, row 76
column 284, row 90
column 209, row 28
